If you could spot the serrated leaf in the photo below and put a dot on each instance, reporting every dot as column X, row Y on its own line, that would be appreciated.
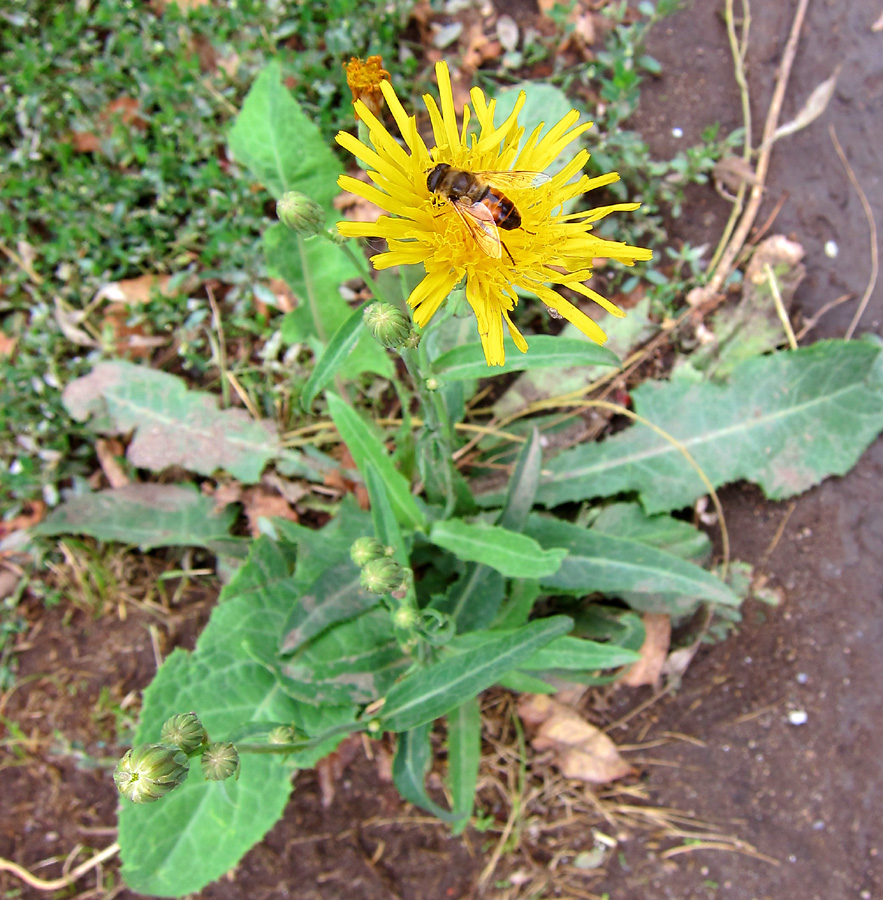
column 513, row 555
column 468, row 361
column 428, row 693
column 172, row 425
column 280, row 145
column 782, row 422
column 202, row 829
column 646, row 578
column 367, row 451
column 147, row 515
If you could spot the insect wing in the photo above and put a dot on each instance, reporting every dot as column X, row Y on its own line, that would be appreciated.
column 518, row 179
column 479, row 221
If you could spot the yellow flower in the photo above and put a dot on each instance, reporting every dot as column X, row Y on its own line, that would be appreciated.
column 364, row 80
column 550, row 247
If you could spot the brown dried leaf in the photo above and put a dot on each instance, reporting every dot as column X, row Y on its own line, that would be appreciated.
column 7, row 344
column 33, row 513
column 109, row 451
column 657, row 627
column 577, row 748
column 259, row 501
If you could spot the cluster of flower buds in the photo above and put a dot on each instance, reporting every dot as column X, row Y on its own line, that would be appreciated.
column 381, row 574
column 149, row 771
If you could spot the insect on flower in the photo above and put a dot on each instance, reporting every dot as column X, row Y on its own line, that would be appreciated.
column 479, row 201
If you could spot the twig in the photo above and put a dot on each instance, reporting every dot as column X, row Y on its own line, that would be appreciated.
column 222, row 345
column 811, row 323
column 740, row 235
column 765, row 558
column 57, row 884
column 872, row 225
column 24, row 265
column 780, row 306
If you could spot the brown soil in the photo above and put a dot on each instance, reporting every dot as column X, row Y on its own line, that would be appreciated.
column 806, row 796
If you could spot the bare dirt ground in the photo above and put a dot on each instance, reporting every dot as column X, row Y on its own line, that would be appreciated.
column 808, row 797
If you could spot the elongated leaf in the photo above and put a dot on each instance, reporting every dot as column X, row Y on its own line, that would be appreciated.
column 314, row 269
column 409, row 768
column 464, row 756
column 202, row 829
column 546, row 350
column 784, row 421
column 569, row 652
column 513, row 555
column 523, row 485
column 335, row 596
column 148, row 515
column 283, row 149
column 386, row 527
column 331, row 361
column 646, row 578
column 474, row 598
column 367, row 451
column 431, row 692
column 172, row 425
column 628, row 520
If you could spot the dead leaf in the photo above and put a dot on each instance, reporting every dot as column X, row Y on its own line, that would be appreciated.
column 577, row 748
column 355, row 208
column 109, row 451
column 259, row 501
column 657, row 628
column 330, row 769
column 85, row 142
column 731, row 172
column 33, row 513
column 134, row 290
column 69, row 321
column 7, row 344
column 124, row 110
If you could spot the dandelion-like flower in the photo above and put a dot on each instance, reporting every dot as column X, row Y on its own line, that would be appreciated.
column 549, row 247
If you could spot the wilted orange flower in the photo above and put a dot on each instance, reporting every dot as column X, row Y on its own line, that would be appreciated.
column 364, row 80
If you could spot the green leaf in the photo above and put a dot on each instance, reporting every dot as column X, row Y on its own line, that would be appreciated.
column 474, row 598
column 330, row 362
column 570, row 652
column 628, row 520
column 367, row 451
column 513, row 555
column 546, row 350
column 782, row 421
column 172, row 425
column 523, row 593
column 356, row 661
column 201, row 830
column 334, row 597
column 464, row 756
column 148, row 515
column 428, row 693
column 281, row 147
column 523, row 485
column 647, row 579
column 386, row 527
column 314, row 269
column 409, row 768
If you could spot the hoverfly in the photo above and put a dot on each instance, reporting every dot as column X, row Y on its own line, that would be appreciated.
column 479, row 201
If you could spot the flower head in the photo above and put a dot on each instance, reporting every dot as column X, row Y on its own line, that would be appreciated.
column 364, row 80
column 148, row 772
column 549, row 247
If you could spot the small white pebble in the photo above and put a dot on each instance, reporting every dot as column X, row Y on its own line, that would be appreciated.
column 677, row 132
column 797, row 717
column 831, row 249
column 802, row 678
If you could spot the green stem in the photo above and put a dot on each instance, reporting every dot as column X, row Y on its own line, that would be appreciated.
column 310, row 287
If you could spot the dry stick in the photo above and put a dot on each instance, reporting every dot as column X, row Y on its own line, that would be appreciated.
column 780, row 305
column 740, row 235
column 56, row 884
column 872, row 224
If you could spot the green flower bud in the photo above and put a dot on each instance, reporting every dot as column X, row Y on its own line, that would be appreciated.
column 150, row 771
column 185, row 731
column 283, row 734
column 220, row 761
column 431, row 384
column 300, row 213
column 336, row 236
column 364, row 549
column 389, row 325
column 380, row 576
